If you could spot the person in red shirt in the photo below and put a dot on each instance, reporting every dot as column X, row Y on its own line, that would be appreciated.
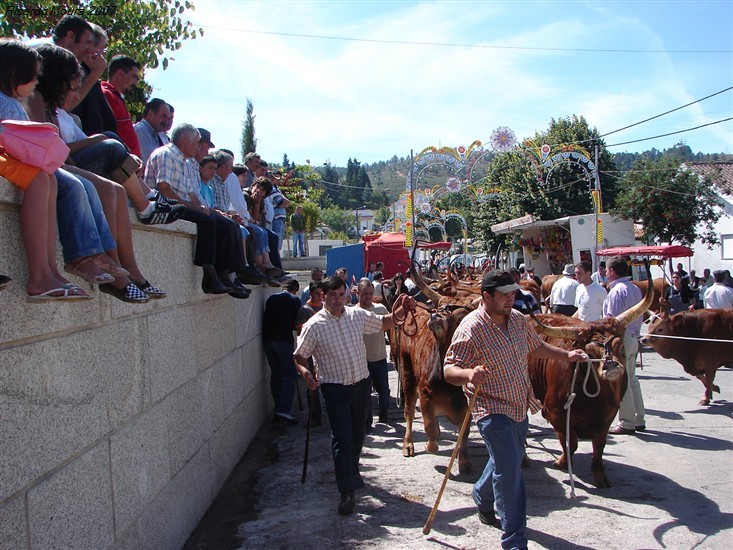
column 124, row 73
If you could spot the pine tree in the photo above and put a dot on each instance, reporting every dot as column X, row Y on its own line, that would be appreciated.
column 249, row 143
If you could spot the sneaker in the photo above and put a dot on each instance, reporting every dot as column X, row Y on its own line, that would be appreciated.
column 285, row 417
column 160, row 198
column 162, row 213
column 152, row 291
column 346, row 506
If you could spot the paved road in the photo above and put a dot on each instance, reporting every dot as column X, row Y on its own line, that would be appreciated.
column 672, row 485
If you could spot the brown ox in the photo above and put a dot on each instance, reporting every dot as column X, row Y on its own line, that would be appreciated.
column 547, row 282
column 421, row 357
column 698, row 358
column 533, row 287
column 659, row 284
column 590, row 416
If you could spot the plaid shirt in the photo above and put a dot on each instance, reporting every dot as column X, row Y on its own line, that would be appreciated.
column 221, row 194
column 167, row 164
column 337, row 344
column 480, row 341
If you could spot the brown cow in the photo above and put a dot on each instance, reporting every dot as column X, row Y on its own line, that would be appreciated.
column 698, row 358
column 659, row 284
column 547, row 282
column 590, row 415
column 531, row 286
column 421, row 357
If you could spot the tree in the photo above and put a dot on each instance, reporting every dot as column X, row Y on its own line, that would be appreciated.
column 143, row 29
column 675, row 205
column 249, row 143
column 286, row 162
column 338, row 219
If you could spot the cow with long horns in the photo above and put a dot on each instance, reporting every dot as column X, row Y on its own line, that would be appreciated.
column 598, row 385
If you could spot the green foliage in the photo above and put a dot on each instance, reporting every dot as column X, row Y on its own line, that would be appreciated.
column 147, row 30
column 312, row 213
column 249, row 143
column 338, row 219
column 670, row 202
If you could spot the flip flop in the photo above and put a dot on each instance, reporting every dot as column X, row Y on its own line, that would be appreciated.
column 97, row 279
column 61, row 294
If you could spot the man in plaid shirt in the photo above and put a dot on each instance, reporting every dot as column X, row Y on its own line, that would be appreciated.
column 335, row 338
column 489, row 354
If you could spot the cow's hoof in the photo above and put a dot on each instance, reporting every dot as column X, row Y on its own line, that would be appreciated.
column 601, row 481
column 704, row 402
column 407, row 452
column 432, row 447
column 561, row 464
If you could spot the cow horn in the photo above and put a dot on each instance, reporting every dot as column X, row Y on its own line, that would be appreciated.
column 638, row 310
column 566, row 333
column 429, row 293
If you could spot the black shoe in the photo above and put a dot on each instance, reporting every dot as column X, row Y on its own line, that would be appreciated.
column 239, row 294
column 130, row 293
column 285, row 417
column 211, row 284
column 162, row 213
column 384, row 416
column 4, row 280
column 620, row 430
column 238, row 285
column 346, row 506
column 272, row 282
column 641, row 428
column 250, row 276
column 274, row 272
column 487, row 518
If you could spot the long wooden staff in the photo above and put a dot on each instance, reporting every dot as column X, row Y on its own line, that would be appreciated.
column 466, row 421
column 311, row 399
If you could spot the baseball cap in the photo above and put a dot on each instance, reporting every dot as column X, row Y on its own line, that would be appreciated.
column 500, row 280
column 206, row 136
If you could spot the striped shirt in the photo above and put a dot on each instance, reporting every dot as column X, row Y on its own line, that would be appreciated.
column 480, row 341
column 337, row 344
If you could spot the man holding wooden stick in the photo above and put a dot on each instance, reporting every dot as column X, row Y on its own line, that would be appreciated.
column 489, row 354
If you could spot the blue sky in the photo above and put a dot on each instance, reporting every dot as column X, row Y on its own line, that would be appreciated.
column 396, row 76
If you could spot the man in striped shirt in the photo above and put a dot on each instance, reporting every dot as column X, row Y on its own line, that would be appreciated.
column 335, row 338
column 489, row 354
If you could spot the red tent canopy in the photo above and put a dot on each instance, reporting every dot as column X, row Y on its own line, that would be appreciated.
column 662, row 252
column 389, row 248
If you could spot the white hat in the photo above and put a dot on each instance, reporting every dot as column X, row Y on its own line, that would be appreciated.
column 569, row 269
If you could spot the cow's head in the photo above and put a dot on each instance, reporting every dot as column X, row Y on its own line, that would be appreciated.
column 443, row 323
column 662, row 324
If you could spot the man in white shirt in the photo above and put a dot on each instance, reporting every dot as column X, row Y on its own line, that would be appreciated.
column 589, row 295
column 719, row 295
column 562, row 296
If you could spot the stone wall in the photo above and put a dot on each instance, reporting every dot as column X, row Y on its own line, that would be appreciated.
column 119, row 423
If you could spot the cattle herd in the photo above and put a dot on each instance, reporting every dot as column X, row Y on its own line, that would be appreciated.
column 419, row 352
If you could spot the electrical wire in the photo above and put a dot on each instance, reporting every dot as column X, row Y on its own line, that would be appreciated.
column 670, row 133
column 453, row 45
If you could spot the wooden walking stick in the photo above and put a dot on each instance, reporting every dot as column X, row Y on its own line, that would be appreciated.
column 311, row 398
column 466, row 421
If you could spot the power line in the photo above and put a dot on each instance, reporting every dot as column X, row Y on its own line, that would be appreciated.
column 670, row 133
column 453, row 45
column 666, row 112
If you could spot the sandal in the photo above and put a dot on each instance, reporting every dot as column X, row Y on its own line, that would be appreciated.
column 110, row 267
column 94, row 278
column 150, row 290
column 130, row 293
column 68, row 293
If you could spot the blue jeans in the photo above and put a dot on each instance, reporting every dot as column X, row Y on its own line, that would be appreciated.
column 378, row 372
column 278, row 228
column 260, row 235
column 346, row 407
column 283, row 373
column 101, row 158
column 502, row 482
column 298, row 240
column 83, row 229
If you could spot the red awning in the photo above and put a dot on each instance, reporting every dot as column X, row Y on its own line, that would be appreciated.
column 662, row 252
column 397, row 240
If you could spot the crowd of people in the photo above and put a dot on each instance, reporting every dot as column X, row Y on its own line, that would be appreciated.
column 165, row 173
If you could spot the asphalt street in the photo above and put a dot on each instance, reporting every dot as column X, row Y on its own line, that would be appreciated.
column 672, row 485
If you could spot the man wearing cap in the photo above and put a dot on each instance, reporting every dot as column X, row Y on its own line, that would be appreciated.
column 155, row 117
column 489, row 353
column 562, row 296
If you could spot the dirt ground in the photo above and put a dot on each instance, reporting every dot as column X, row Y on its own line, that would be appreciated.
column 672, row 485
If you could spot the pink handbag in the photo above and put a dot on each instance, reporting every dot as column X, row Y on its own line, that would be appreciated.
column 34, row 143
